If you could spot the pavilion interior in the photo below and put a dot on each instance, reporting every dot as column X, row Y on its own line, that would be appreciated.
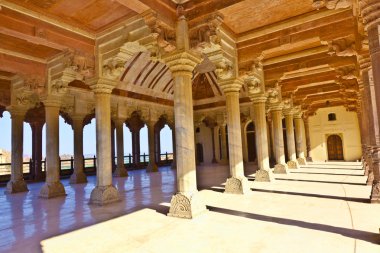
column 272, row 107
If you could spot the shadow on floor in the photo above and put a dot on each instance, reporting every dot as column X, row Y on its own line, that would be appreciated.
column 312, row 181
column 330, row 174
column 360, row 200
column 347, row 232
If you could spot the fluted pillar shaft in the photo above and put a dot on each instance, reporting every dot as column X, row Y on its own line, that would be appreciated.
column 120, row 167
column 308, row 143
column 53, row 187
column 104, row 192
column 78, row 176
column 223, row 143
column 292, row 163
column 299, row 140
column 17, row 183
column 37, row 127
column 371, row 18
column 281, row 166
column 152, row 166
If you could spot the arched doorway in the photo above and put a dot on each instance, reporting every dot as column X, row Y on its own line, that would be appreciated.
column 251, row 142
column 335, row 147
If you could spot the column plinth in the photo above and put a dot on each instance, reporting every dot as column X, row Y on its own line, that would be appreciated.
column 281, row 167
column 78, row 176
column 52, row 187
column 17, row 183
column 264, row 174
column 104, row 192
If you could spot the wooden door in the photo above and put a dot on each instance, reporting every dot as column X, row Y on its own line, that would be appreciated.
column 335, row 147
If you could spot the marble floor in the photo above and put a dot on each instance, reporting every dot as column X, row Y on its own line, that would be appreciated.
column 318, row 208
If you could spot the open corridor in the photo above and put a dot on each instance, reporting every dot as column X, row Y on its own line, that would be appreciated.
column 317, row 208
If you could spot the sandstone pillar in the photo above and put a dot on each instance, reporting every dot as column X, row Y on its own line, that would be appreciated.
column 104, row 192
column 37, row 127
column 308, row 143
column 78, row 176
column 120, row 167
column 174, row 163
column 299, row 139
column 113, row 165
column 264, row 174
column 223, row 144
column 186, row 203
column 52, row 187
column 292, row 163
column 152, row 166
column 371, row 17
column 136, row 146
column 281, row 167
column 17, row 183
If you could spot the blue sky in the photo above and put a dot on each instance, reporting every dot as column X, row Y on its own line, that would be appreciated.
column 89, row 140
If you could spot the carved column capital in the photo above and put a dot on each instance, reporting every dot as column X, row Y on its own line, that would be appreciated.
column 231, row 85
column 182, row 62
column 102, row 85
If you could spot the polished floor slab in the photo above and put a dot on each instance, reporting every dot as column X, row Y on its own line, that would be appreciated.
column 324, row 209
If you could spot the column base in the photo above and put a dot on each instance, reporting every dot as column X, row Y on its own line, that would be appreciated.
column 309, row 159
column 52, row 190
column 264, row 176
column 375, row 193
column 78, row 178
column 370, row 178
column 293, row 164
column 16, row 186
column 186, row 205
column 152, row 168
column 281, row 169
column 103, row 195
column 120, row 172
column 237, row 185
column 301, row 161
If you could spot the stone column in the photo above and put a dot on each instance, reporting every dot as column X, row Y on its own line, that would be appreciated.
column 371, row 18
column 37, row 127
column 299, row 139
column 104, row 192
column 152, row 166
column 52, row 187
column 292, row 163
column 78, row 176
column 264, row 174
column 244, row 144
column 120, row 167
column 17, row 183
column 186, row 203
column 174, row 163
column 308, row 143
column 113, row 165
column 281, row 167
column 136, row 146
column 237, row 183
column 223, row 143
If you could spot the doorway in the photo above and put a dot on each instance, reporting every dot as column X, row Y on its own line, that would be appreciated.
column 335, row 147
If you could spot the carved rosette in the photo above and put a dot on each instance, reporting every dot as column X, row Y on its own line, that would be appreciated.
column 182, row 63
column 281, row 169
column 103, row 195
column 293, row 165
column 237, row 185
column 186, row 205
column 264, row 176
column 52, row 190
